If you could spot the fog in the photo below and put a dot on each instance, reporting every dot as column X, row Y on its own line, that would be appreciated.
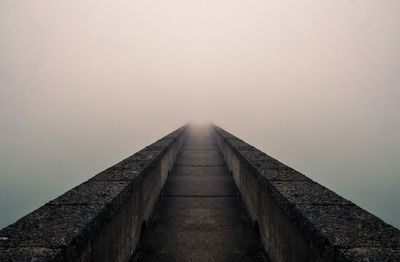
column 84, row 84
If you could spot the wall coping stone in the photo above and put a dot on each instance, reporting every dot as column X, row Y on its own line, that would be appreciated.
column 68, row 223
column 329, row 222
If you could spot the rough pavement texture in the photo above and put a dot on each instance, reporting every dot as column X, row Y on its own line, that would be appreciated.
column 200, row 216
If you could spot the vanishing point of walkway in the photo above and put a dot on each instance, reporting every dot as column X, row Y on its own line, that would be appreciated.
column 200, row 215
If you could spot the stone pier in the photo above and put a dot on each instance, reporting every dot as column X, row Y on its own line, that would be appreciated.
column 200, row 194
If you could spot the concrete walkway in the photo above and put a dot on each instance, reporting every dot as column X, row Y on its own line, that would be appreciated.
column 200, row 216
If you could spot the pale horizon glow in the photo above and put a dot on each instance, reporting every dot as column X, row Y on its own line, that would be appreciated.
column 313, row 83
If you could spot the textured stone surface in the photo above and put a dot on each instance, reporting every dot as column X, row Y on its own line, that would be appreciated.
column 299, row 219
column 55, row 226
column 200, row 216
column 96, row 193
column 200, row 171
column 295, row 211
column 121, row 173
column 304, row 193
column 37, row 254
column 200, row 229
column 131, row 167
column 348, row 226
column 128, row 169
column 369, row 254
column 260, row 162
column 212, row 186
column 85, row 219
column 200, row 158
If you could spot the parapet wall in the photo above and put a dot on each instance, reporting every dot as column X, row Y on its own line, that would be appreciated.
column 99, row 220
column 300, row 220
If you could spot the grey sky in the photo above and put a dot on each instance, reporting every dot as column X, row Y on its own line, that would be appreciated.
column 313, row 83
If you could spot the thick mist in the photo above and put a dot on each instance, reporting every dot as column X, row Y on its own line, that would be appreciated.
column 84, row 84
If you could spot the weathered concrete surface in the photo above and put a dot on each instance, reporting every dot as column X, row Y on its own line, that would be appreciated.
column 200, row 158
column 200, row 216
column 99, row 220
column 300, row 220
